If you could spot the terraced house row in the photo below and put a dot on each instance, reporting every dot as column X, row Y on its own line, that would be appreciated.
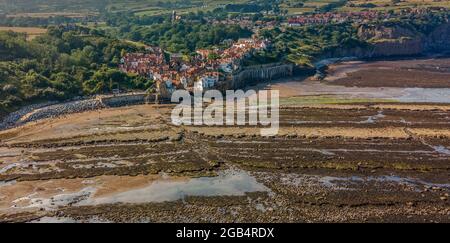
column 201, row 71
column 357, row 17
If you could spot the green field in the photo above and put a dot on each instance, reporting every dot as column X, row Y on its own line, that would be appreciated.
column 42, row 8
column 151, row 7
column 355, row 5
column 51, row 6
column 48, row 8
column 31, row 32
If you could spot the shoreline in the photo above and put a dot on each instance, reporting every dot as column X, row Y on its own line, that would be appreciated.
column 300, row 85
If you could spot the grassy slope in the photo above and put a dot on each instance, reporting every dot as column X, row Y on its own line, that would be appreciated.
column 51, row 6
column 310, row 5
column 140, row 7
column 150, row 7
column 31, row 32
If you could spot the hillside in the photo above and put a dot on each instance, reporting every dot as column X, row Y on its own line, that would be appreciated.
column 157, row 7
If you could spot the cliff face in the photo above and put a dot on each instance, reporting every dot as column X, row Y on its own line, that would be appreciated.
column 396, row 41
column 400, row 47
column 383, row 32
column 392, row 41
column 358, row 52
column 439, row 39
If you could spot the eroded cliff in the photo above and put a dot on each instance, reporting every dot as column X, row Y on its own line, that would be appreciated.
column 395, row 40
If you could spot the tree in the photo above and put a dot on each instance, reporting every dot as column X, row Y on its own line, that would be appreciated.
column 66, row 83
column 105, row 80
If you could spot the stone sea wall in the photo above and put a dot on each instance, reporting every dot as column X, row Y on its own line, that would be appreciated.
column 50, row 109
column 253, row 74
column 127, row 99
column 15, row 116
column 61, row 109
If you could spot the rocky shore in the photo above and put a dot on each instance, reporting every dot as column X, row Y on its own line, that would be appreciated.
column 11, row 119
column 51, row 109
column 361, row 162
column 61, row 109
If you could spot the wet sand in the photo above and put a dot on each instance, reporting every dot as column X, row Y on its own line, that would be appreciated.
column 343, row 154
column 305, row 87
column 329, row 163
column 373, row 81
column 413, row 73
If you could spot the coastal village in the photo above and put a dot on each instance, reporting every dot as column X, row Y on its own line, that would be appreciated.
column 330, row 17
column 194, row 73
column 210, row 67
column 356, row 17
column 357, row 129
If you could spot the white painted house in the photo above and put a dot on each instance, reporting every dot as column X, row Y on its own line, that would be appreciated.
column 207, row 81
